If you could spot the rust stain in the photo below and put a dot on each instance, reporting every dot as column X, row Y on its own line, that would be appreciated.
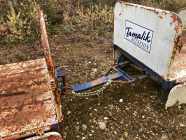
column 160, row 16
column 49, row 61
column 174, row 18
column 45, row 45
column 177, row 21
column 178, row 66
column 178, row 51
column 54, row 138
column 26, row 99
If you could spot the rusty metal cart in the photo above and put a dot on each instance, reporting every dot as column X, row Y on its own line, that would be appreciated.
column 30, row 103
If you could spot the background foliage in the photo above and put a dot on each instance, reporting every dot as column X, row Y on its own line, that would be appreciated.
column 18, row 18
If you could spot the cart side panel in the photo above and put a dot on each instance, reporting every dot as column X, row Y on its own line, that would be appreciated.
column 26, row 100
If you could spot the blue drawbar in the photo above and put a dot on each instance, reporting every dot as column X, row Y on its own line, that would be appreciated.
column 88, row 85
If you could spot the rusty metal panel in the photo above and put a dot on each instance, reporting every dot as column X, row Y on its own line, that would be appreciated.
column 47, row 136
column 45, row 44
column 49, row 62
column 178, row 67
column 27, row 103
column 147, row 34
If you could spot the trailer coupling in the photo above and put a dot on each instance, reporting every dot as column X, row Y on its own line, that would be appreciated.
column 117, row 72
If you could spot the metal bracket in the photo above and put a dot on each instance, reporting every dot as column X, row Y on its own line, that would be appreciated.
column 60, row 77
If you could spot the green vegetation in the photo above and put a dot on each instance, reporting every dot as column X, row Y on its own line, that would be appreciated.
column 18, row 18
column 96, row 19
column 18, row 21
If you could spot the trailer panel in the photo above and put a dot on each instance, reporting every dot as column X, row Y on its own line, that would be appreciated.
column 27, row 103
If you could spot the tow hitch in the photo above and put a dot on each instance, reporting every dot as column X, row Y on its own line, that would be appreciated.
column 117, row 72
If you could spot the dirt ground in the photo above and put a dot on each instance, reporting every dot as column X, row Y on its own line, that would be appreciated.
column 122, row 112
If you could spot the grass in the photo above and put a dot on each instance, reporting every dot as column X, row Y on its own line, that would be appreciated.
column 20, row 20
column 89, row 17
column 96, row 20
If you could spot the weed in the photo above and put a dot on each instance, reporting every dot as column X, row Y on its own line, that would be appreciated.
column 96, row 19
column 20, row 19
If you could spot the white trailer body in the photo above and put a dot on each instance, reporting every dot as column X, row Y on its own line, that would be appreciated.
column 147, row 34
column 152, row 38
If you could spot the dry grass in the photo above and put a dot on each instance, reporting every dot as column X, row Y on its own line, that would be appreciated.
column 97, row 20
column 93, row 17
